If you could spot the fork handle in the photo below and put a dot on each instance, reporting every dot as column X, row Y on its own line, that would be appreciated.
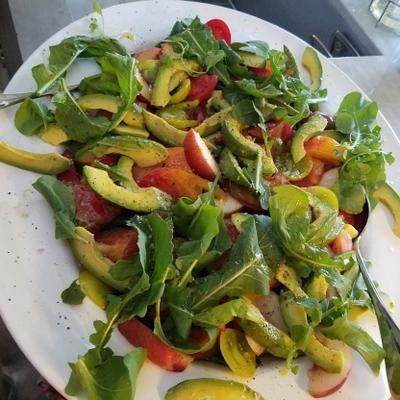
column 12, row 100
column 388, row 328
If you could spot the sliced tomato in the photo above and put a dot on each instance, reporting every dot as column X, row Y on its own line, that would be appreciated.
column 71, row 175
column 325, row 149
column 242, row 194
column 139, row 335
column 343, row 243
column 198, row 113
column 117, row 244
column 202, row 87
column 233, row 232
column 220, row 30
column 280, row 130
column 176, row 182
column 347, row 218
column 104, row 113
column 176, row 159
column 277, row 180
column 262, row 72
column 200, row 337
column 151, row 53
column 255, row 132
column 314, row 176
column 92, row 211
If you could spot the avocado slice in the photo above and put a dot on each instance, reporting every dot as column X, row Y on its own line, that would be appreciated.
column 288, row 277
column 252, row 60
column 291, row 170
column 213, row 123
column 176, row 80
column 127, row 130
column 237, row 143
column 160, row 94
column 327, row 196
column 295, row 316
column 312, row 127
column 149, row 69
column 177, row 117
column 317, row 287
column 162, row 130
column 276, row 342
column 53, row 134
column 144, row 152
column 312, row 64
column 230, row 168
column 181, row 92
column 391, row 199
column 217, row 101
column 211, row 389
column 90, row 257
column 47, row 163
column 94, row 288
column 134, row 118
column 140, row 200
column 99, row 101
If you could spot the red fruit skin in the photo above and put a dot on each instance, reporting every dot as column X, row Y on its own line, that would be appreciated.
column 281, row 130
column 347, row 218
column 92, row 211
column 139, row 335
column 343, row 243
column 233, row 232
column 118, row 243
column 202, row 87
column 314, row 176
column 199, row 157
column 176, row 182
column 176, row 159
column 151, row 53
column 262, row 72
column 328, row 391
column 220, row 30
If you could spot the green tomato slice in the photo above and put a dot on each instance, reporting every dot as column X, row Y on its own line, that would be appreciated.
column 237, row 353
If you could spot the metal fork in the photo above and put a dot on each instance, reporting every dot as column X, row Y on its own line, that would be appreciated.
column 390, row 332
column 10, row 99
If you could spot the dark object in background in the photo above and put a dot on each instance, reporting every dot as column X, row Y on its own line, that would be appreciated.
column 325, row 24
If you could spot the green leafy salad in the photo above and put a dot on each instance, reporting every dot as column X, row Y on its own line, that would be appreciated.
column 211, row 207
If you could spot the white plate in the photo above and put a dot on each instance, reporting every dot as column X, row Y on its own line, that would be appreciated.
column 35, row 268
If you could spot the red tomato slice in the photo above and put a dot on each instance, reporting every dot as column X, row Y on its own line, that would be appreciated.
column 71, row 175
column 176, row 159
column 151, row 53
column 202, row 87
column 92, row 211
column 277, row 180
column 220, row 30
column 262, row 72
column 280, row 130
column 242, row 194
column 347, row 218
column 117, row 244
column 176, row 182
column 139, row 335
column 314, row 176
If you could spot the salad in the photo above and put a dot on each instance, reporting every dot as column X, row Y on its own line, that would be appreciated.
column 211, row 207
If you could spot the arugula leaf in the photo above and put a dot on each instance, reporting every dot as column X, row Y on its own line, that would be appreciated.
column 79, row 126
column 119, row 69
column 364, row 166
column 31, row 116
column 199, row 43
column 104, row 376
column 244, row 272
column 65, row 53
column 60, row 198
column 358, row 339
column 291, row 64
column 224, row 313
column 246, row 112
column 249, row 87
column 291, row 217
column 257, row 47
column 73, row 294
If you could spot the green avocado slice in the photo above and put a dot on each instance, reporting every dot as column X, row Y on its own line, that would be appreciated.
column 140, row 200
column 144, row 152
column 162, row 130
column 90, row 257
column 211, row 389
column 47, row 163
column 213, row 123
column 313, row 65
column 315, row 124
